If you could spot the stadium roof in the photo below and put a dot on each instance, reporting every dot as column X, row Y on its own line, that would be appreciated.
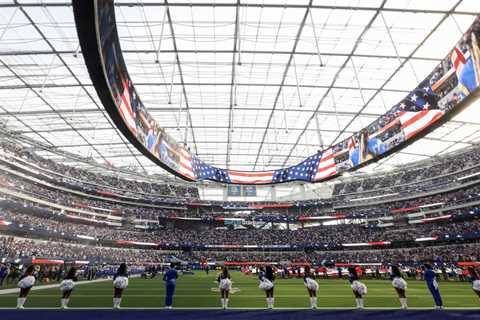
column 265, row 83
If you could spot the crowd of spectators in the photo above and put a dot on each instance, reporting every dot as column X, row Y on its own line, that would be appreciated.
column 192, row 236
column 70, row 200
column 442, row 201
column 108, row 182
column 12, row 248
column 66, row 228
column 440, row 171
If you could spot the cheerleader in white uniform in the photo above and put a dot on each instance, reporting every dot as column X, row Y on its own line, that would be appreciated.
column 67, row 286
column 120, row 282
column 267, row 284
column 475, row 279
column 25, row 284
column 312, row 286
column 359, row 289
column 400, row 285
column 225, row 285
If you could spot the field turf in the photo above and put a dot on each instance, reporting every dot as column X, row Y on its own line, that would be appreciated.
column 200, row 291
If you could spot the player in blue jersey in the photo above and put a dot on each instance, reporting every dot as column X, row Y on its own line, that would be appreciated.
column 431, row 279
column 170, row 278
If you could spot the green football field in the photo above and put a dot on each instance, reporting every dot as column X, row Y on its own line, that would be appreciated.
column 200, row 291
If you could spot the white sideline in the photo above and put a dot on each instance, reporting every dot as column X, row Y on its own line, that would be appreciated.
column 50, row 286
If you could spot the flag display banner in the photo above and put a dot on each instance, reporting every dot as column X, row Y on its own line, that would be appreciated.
column 425, row 107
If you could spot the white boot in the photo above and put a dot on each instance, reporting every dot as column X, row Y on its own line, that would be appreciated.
column 269, row 306
column 223, row 303
column 357, row 302
column 21, row 302
column 313, row 302
column 116, row 303
column 65, row 303
column 403, row 302
column 272, row 300
column 226, row 303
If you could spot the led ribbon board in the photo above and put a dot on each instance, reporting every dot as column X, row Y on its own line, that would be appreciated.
column 435, row 100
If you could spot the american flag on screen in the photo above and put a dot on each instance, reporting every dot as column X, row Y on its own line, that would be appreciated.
column 186, row 164
column 414, row 122
column 304, row 171
column 204, row 171
column 326, row 166
column 422, row 98
column 253, row 177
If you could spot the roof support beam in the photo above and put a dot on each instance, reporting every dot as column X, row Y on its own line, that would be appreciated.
column 233, row 85
column 229, row 4
column 357, row 42
column 279, row 52
column 180, row 73
column 176, row 109
column 216, row 84
column 165, row 127
column 397, row 69
column 284, row 77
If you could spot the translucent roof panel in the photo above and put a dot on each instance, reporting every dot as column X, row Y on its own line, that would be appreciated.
column 249, row 85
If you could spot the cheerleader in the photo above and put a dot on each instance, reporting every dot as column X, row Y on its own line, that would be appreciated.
column 170, row 278
column 359, row 289
column 312, row 286
column 267, row 284
column 400, row 285
column 225, row 285
column 66, row 287
column 431, row 279
column 120, row 282
column 475, row 280
column 25, row 284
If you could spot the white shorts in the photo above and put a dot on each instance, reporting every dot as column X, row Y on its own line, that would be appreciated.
column 26, row 282
column 359, row 287
column 120, row 282
column 67, row 285
column 225, row 284
column 399, row 283
column 266, row 285
column 311, row 284
column 476, row 285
